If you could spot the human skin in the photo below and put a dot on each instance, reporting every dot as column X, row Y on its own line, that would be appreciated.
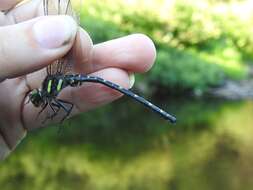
column 30, row 41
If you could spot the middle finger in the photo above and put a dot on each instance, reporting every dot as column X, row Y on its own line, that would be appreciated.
column 134, row 53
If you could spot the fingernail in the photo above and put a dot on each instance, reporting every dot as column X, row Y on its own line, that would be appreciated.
column 131, row 79
column 54, row 31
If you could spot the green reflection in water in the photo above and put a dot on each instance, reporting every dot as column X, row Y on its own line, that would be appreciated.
column 125, row 147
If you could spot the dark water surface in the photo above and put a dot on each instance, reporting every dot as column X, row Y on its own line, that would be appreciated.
column 125, row 147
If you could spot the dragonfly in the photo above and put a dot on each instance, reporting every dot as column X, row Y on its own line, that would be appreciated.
column 57, row 77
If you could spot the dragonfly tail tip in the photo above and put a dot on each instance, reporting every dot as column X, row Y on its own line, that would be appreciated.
column 173, row 120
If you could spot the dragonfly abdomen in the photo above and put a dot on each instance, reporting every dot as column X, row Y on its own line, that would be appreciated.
column 77, row 80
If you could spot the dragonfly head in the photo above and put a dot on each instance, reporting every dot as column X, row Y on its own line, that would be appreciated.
column 36, row 98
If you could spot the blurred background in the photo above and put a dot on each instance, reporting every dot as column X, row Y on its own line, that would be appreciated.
column 203, row 75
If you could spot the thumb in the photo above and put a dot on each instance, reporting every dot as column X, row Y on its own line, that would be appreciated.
column 32, row 45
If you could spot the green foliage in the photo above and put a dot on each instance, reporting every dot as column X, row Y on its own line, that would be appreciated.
column 199, row 43
column 192, row 23
column 196, row 73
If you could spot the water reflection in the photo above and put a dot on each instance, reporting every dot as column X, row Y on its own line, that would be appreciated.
column 124, row 147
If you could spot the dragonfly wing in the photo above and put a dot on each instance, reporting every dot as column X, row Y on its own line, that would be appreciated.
column 61, row 7
column 69, row 58
column 58, row 7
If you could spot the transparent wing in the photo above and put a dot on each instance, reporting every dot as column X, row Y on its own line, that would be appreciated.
column 61, row 7
column 75, row 14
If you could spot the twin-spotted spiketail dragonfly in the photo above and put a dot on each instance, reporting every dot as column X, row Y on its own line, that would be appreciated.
column 57, row 78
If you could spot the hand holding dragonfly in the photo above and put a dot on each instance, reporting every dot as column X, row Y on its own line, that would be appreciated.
column 30, row 42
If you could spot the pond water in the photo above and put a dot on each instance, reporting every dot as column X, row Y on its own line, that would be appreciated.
column 124, row 147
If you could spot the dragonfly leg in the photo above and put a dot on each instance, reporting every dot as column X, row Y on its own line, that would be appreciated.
column 53, row 106
column 69, row 110
column 43, row 108
column 61, row 104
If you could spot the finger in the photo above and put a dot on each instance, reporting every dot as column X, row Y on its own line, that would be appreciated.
column 12, row 93
column 8, row 4
column 86, row 97
column 23, row 12
column 30, row 46
column 135, row 53
column 28, row 10
column 84, row 52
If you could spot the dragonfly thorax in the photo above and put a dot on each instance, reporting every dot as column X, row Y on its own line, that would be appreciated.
column 52, row 85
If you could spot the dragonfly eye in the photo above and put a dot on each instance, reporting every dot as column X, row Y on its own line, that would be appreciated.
column 36, row 98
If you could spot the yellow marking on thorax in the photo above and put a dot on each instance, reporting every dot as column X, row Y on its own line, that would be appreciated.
column 59, row 85
column 49, row 86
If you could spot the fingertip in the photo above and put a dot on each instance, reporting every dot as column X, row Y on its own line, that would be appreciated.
column 147, row 50
column 131, row 80
column 135, row 53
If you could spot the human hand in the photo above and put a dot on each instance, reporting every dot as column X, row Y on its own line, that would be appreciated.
column 29, row 42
